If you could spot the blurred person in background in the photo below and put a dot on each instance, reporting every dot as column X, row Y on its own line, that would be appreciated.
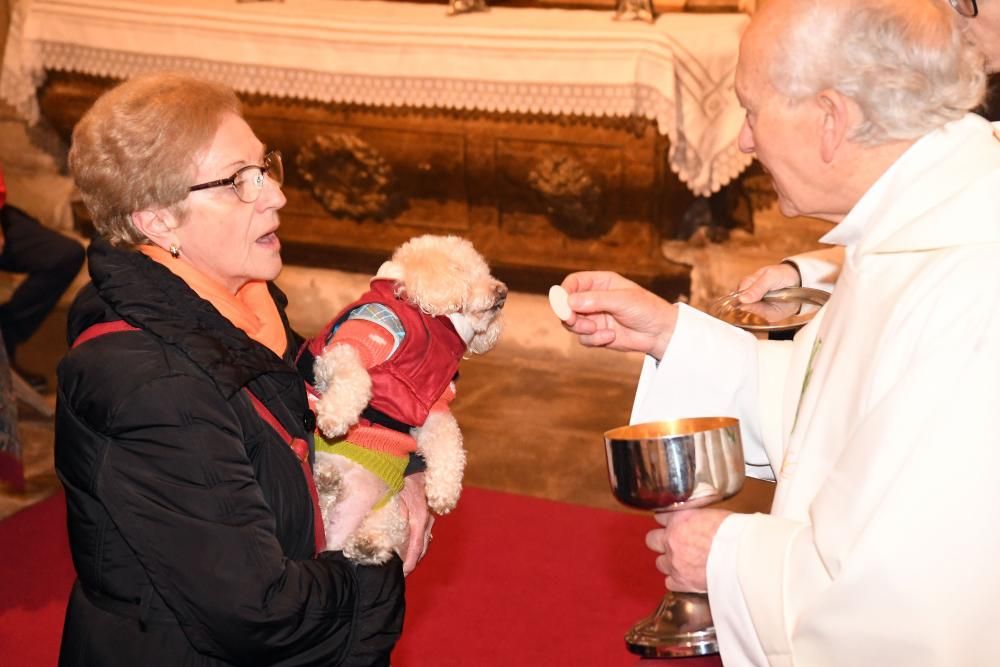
column 50, row 262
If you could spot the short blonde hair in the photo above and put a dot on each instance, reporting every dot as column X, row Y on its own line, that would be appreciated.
column 137, row 147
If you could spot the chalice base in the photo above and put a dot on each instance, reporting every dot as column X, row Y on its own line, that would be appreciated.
column 680, row 627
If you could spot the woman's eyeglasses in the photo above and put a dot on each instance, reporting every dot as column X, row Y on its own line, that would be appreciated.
column 248, row 181
column 967, row 8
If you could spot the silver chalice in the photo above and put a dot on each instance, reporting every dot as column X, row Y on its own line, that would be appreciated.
column 672, row 465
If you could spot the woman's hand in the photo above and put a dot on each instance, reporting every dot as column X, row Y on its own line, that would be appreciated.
column 414, row 502
column 684, row 542
column 613, row 312
column 752, row 288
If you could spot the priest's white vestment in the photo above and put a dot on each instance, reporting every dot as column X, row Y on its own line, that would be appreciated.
column 881, row 424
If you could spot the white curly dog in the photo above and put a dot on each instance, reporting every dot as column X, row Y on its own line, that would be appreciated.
column 385, row 388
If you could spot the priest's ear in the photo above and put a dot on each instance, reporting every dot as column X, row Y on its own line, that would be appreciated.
column 157, row 225
column 839, row 114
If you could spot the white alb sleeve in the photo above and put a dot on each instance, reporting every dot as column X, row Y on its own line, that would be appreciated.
column 820, row 268
column 739, row 645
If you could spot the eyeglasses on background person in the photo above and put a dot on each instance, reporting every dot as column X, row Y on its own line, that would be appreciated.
column 248, row 181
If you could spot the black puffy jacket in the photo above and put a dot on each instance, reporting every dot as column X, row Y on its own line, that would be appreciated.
column 190, row 520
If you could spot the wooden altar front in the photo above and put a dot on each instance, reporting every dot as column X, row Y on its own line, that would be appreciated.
column 554, row 140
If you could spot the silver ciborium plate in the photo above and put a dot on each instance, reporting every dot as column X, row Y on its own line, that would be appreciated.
column 672, row 465
column 786, row 309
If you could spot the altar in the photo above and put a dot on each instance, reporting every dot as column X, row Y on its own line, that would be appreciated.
column 554, row 139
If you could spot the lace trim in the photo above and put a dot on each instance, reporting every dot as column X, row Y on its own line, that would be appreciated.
column 703, row 174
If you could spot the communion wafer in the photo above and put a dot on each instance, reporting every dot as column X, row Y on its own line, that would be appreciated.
column 559, row 302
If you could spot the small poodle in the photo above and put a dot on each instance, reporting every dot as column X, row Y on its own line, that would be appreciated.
column 385, row 371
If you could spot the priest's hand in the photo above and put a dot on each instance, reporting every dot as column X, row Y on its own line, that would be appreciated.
column 684, row 543
column 614, row 312
column 753, row 287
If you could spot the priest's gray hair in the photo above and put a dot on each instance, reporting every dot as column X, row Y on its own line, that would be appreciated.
column 905, row 63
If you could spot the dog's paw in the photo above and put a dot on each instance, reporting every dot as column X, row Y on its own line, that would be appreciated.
column 329, row 481
column 443, row 482
column 439, row 441
column 443, row 494
column 345, row 386
column 382, row 534
column 367, row 552
column 328, row 421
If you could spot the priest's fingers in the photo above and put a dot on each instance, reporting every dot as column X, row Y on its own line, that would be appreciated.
column 753, row 287
column 585, row 281
column 655, row 541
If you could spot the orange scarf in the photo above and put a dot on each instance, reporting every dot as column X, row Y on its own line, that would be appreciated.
column 251, row 309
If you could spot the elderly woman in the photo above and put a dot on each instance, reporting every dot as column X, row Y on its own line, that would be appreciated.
column 182, row 423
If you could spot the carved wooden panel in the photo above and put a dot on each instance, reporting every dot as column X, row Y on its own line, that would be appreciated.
column 540, row 196
column 546, row 187
column 358, row 172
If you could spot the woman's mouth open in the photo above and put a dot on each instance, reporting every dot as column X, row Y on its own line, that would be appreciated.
column 270, row 240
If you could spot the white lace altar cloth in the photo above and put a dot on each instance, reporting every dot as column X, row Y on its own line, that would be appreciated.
column 677, row 71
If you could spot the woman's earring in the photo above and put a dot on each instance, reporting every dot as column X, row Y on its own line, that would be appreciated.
column 175, row 250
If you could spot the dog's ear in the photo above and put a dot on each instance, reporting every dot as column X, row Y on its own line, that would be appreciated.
column 390, row 270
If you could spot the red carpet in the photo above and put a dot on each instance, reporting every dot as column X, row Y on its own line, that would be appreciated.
column 11, row 472
column 508, row 581
column 35, row 578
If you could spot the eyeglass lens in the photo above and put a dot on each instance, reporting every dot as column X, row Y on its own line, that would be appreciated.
column 967, row 8
column 250, row 181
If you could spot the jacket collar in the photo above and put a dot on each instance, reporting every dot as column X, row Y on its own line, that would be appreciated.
column 385, row 289
column 147, row 295
column 933, row 197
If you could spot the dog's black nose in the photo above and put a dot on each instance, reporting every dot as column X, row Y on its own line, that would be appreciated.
column 499, row 295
